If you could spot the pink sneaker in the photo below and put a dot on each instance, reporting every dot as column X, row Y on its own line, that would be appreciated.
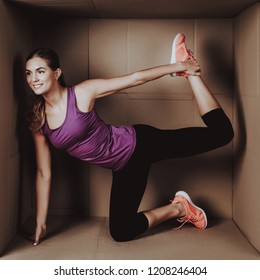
column 179, row 53
column 194, row 214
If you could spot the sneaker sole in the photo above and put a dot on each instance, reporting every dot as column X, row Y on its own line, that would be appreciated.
column 184, row 194
column 173, row 55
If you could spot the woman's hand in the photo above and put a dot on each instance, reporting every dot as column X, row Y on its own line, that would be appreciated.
column 40, row 233
column 192, row 67
column 42, row 184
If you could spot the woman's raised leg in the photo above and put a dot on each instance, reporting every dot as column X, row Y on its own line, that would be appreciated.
column 194, row 140
column 206, row 101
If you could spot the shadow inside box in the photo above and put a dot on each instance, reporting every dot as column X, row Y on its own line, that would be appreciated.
column 174, row 225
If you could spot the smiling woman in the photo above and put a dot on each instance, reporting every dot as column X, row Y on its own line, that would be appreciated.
column 42, row 69
column 66, row 116
column 51, row 62
column 40, row 75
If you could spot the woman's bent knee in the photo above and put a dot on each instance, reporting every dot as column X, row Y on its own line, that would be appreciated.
column 220, row 126
column 120, row 235
column 128, row 227
column 227, row 133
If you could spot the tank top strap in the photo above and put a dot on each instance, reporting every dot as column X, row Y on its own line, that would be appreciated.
column 71, row 108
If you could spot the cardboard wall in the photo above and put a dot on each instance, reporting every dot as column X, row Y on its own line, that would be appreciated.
column 107, row 48
column 15, row 41
column 247, row 115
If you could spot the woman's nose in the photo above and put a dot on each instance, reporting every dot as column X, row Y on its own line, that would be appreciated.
column 35, row 77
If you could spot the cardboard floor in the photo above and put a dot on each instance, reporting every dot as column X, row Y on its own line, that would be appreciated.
column 89, row 239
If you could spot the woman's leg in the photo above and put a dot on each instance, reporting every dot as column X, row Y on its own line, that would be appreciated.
column 164, row 213
column 206, row 101
column 191, row 141
column 128, row 187
column 154, row 145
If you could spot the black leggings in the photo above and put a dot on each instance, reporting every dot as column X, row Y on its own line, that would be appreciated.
column 154, row 145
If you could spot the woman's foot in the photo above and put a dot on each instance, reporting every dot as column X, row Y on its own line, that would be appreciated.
column 179, row 53
column 192, row 213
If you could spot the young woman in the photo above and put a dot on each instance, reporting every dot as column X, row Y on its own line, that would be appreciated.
column 67, row 117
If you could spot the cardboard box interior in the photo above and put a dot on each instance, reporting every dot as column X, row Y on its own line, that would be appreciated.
column 96, row 40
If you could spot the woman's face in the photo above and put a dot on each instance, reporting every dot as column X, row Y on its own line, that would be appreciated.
column 40, row 77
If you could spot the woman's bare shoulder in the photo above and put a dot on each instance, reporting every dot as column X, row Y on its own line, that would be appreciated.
column 84, row 96
column 83, row 87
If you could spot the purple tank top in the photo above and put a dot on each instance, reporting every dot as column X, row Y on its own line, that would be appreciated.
column 87, row 137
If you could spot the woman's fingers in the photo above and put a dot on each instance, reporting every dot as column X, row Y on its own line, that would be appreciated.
column 193, row 68
column 40, row 233
column 36, row 242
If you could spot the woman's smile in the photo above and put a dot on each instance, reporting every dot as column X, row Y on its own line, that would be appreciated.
column 37, row 86
column 40, row 76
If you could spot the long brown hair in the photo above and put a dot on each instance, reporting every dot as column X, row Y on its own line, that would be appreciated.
column 37, row 117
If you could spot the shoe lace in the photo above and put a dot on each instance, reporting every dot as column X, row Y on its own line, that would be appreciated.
column 191, row 218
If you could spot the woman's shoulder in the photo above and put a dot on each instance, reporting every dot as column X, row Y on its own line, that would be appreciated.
column 84, row 97
column 83, row 87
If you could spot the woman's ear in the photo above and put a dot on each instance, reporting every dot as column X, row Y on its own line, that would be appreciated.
column 58, row 73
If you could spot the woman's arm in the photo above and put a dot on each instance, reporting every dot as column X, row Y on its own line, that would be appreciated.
column 97, row 88
column 43, row 183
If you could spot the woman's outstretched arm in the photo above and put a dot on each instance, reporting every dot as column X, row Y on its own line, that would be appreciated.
column 97, row 88
column 43, row 184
